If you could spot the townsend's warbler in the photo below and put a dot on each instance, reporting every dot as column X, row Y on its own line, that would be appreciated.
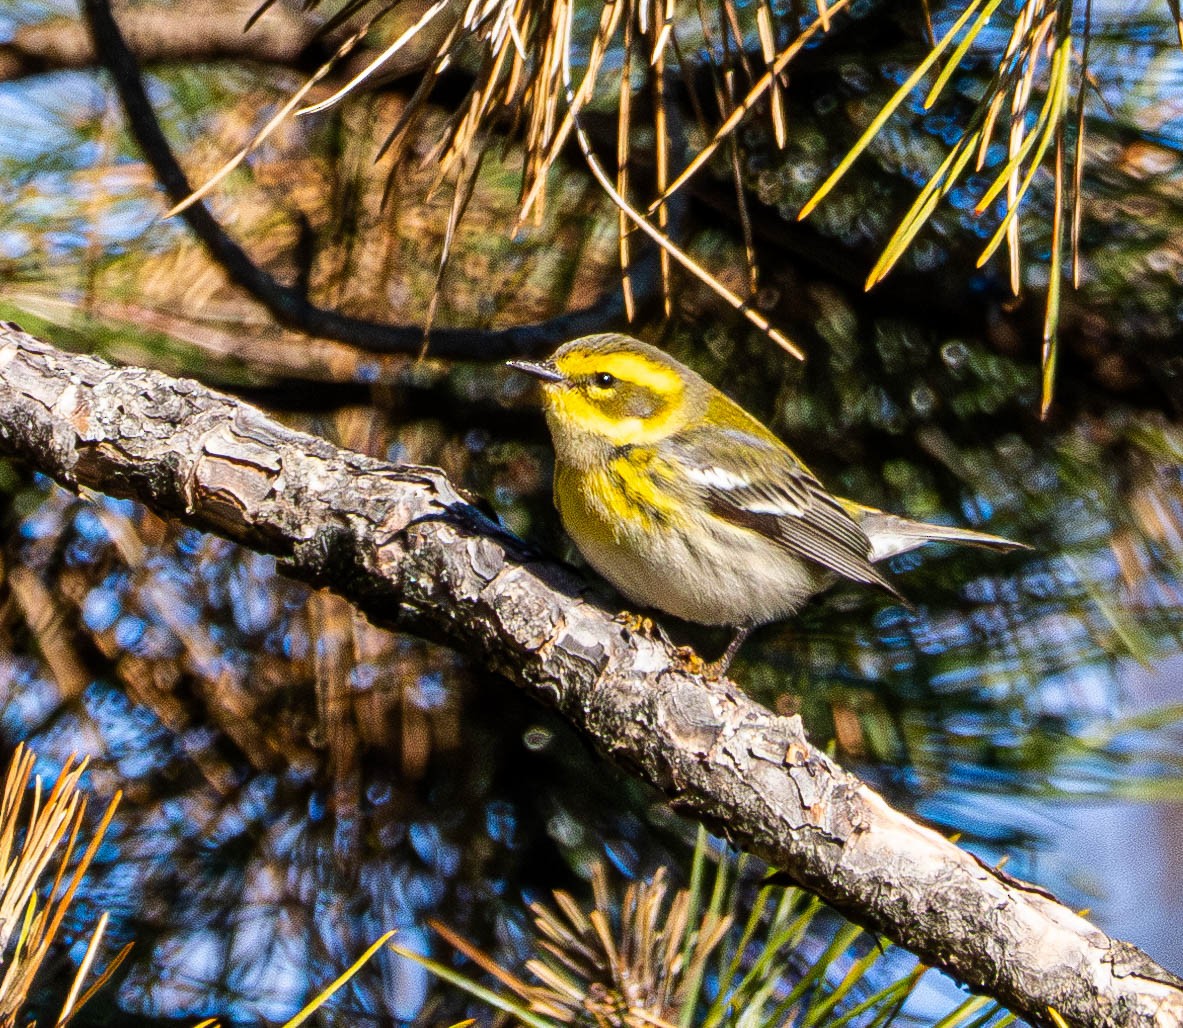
column 686, row 503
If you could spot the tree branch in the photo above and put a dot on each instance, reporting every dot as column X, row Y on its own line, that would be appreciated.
column 406, row 548
column 201, row 30
column 288, row 305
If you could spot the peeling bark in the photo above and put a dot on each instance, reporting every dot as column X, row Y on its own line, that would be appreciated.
column 403, row 545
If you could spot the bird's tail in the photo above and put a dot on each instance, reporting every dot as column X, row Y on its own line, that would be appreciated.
column 891, row 534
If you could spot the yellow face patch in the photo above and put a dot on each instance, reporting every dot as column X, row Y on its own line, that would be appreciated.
column 622, row 397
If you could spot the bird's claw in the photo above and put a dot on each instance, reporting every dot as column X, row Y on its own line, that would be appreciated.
column 690, row 662
column 637, row 624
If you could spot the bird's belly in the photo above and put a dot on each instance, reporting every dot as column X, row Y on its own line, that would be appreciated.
column 739, row 577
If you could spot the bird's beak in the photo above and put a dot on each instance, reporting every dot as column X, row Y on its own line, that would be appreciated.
column 544, row 371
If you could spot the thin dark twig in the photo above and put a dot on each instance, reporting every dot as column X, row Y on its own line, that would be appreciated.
column 285, row 303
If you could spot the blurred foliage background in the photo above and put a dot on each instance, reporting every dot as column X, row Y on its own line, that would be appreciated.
column 296, row 781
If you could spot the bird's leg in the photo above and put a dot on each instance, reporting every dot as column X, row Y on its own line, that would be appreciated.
column 718, row 668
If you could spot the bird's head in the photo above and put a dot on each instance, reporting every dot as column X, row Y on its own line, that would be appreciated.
column 613, row 390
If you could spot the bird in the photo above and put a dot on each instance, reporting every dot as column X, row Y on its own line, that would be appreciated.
column 689, row 505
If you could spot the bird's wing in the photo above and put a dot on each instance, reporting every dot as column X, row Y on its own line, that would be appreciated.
column 757, row 483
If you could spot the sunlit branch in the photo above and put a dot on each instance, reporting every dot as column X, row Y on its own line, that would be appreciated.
column 412, row 553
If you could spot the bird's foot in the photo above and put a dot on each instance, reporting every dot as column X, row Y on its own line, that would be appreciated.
column 637, row 624
column 687, row 660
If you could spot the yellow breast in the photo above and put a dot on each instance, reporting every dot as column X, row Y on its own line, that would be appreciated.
column 610, row 506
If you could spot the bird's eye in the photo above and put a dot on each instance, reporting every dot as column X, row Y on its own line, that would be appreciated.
column 604, row 380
